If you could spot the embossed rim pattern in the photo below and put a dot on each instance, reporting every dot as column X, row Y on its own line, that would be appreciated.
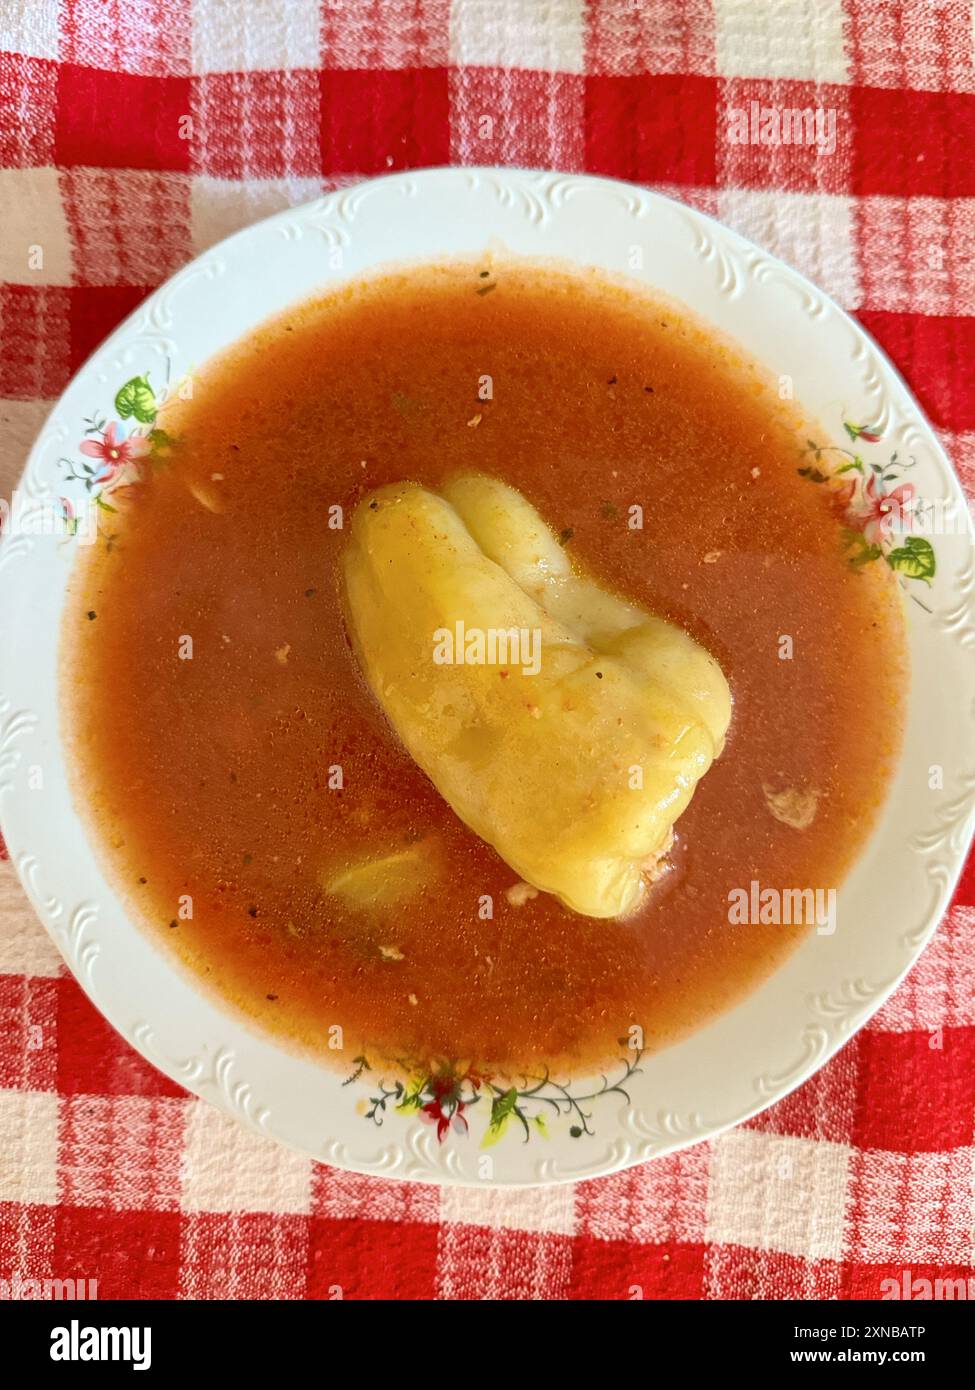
column 888, row 906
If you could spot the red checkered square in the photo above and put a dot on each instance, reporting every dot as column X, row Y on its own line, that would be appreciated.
column 652, row 129
column 28, row 1027
column 385, row 33
column 961, row 451
column 250, row 1256
column 824, row 1108
column 908, row 144
column 756, row 107
column 739, row 1273
column 36, row 336
column 932, row 1105
column 374, row 1259
column 149, row 37
column 376, row 121
column 532, row 119
column 908, row 1207
column 28, row 110
column 94, row 1059
column 935, row 353
column 477, row 1262
column 121, row 1152
column 256, row 124
column 127, row 228
column 132, row 1254
column 116, row 120
column 917, row 254
column 95, row 312
column 925, row 44
column 611, row 1269
column 675, row 36
column 656, row 1203
column 872, row 1281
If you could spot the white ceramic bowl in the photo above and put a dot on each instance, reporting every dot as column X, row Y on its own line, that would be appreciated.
column 888, row 906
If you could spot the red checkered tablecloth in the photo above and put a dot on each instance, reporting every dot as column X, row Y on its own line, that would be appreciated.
column 135, row 133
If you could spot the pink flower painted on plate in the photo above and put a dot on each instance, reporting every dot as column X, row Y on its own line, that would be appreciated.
column 881, row 510
column 115, row 454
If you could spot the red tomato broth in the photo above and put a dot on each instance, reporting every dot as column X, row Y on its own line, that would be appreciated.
column 210, row 776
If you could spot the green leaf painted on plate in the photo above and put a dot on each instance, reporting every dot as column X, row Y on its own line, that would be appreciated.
column 915, row 558
column 412, row 1095
column 502, row 1109
column 136, row 398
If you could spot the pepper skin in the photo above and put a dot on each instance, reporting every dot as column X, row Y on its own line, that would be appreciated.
column 576, row 769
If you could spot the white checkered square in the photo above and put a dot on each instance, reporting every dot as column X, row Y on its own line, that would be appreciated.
column 28, row 1146
column 770, row 1192
column 35, row 248
column 781, row 38
column 227, row 1168
column 812, row 231
column 518, row 34
column 29, row 27
column 275, row 34
column 219, row 207
column 549, row 1210
column 25, row 947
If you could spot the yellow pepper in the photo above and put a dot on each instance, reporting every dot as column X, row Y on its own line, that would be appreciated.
column 567, row 727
